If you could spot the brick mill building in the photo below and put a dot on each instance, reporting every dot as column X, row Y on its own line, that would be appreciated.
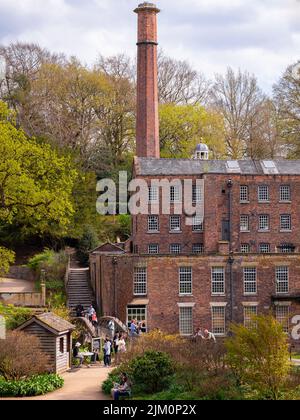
column 243, row 258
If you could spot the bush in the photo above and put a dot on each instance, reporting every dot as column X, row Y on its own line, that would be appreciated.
column 37, row 385
column 87, row 243
column 21, row 357
column 14, row 316
column 259, row 356
column 54, row 263
column 113, row 377
column 7, row 258
column 151, row 371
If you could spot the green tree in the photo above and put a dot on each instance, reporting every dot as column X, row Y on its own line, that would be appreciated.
column 259, row 356
column 7, row 258
column 182, row 127
column 35, row 182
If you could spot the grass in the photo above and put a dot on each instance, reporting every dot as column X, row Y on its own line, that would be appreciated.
column 296, row 356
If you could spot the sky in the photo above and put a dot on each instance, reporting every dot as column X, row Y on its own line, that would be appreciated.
column 260, row 36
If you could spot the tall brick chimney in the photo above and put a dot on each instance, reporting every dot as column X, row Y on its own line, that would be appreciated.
column 147, row 133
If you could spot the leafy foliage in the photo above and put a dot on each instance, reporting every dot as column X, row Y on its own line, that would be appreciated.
column 260, row 356
column 37, row 385
column 7, row 258
column 87, row 243
column 14, row 316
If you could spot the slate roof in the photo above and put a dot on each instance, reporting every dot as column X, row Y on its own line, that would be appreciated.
column 52, row 321
column 156, row 167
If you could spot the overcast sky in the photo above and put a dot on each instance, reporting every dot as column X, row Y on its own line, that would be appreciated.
column 261, row 36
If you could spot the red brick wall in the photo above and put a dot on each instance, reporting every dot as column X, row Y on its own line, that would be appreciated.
column 163, row 286
column 147, row 136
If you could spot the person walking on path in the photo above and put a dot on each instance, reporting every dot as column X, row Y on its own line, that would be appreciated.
column 107, row 352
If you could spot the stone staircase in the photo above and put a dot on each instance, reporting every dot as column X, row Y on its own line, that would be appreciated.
column 79, row 291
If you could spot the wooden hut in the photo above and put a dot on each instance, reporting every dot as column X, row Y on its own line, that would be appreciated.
column 55, row 335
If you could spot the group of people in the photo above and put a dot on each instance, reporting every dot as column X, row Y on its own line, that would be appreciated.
column 204, row 335
column 136, row 328
column 115, row 346
column 90, row 313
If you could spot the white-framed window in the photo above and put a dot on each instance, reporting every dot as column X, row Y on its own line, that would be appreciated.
column 140, row 281
column 197, row 224
column 286, row 222
column 264, row 222
column 218, row 280
column 197, row 194
column 244, row 194
column 282, row 279
column 185, row 280
column 285, row 193
column 153, row 249
column 153, row 194
column 244, row 223
column 250, row 280
column 139, row 313
column 153, row 224
column 286, row 248
column 245, row 248
column 175, row 194
column 263, row 194
column 186, row 320
column 218, row 320
column 175, row 249
column 283, row 316
column 175, row 224
column 198, row 248
column 249, row 313
column 264, row 248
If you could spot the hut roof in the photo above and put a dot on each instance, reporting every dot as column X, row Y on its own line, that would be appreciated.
column 51, row 322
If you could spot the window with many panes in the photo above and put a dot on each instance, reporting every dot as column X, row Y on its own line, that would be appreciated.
column 245, row 248
column 186, row 320
column 197, row 224
column 282, row 316
column 140, row 281
column 218, row 280
column 139, row 313
column 286, row 248
column 153, row 249
column 264, row 222
column 185, row 280
column 197, row 194
column 282, row 279
column 285, row 193
column 175, row 249
column 153, row 194
column 218, row 320
column 198, row 248
column 263, row 194
column 244, row 223
column 153, row 224
column 265, row 248
column 249, row 313
column 244, row 194
column 250, row 280
column 285, row 222
column 175, row 223
column 175, row 194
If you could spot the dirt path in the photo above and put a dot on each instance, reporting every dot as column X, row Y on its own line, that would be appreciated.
column 16, row 286
column 80, row 384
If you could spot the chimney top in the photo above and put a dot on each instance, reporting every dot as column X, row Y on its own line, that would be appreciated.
column 147, row 6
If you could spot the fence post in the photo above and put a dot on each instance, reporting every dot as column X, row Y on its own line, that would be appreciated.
column 43, row 287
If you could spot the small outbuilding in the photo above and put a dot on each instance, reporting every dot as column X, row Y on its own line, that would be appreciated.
column 55, row 335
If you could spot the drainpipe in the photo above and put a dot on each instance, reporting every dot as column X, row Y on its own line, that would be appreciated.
column 231, row 258
column 115, row 263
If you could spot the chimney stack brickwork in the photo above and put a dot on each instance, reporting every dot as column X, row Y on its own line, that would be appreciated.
column 147, row 133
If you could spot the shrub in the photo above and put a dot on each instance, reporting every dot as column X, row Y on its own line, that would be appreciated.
column 151, row 371
column 7, row 258
column 14, row 316
column 260, row 356
column 87, row 243
column 113, row 377
column 54, row 263
column 37, row 385
column 21, row 357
